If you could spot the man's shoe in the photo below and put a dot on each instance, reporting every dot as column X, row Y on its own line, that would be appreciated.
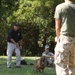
column 8, row 66
column 18, row 66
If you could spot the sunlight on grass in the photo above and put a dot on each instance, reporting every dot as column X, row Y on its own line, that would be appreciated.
column 25, row 70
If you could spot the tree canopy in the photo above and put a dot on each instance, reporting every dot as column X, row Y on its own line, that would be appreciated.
column 36, row 18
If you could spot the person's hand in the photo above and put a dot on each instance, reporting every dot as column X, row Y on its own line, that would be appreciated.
column 20, row 47
column 56, row 39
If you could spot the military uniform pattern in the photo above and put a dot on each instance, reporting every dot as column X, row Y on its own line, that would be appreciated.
column 65, row 55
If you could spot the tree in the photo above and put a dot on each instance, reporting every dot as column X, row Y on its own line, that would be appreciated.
column 36, row 21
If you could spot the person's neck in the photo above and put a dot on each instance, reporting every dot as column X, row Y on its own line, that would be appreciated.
column 15, row 30
column 46, row 53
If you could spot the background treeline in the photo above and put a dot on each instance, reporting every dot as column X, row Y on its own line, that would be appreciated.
column 36, row 23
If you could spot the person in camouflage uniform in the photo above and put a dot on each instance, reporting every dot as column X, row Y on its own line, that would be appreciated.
column 65, row 38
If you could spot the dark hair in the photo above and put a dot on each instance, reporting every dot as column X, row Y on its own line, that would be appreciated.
column 16, row 24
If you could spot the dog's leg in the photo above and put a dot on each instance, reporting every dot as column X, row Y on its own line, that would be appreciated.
column 42, row 70
column 37, row 71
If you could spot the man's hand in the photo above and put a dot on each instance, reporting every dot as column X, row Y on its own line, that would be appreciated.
column 14, row 43
column 56, row 39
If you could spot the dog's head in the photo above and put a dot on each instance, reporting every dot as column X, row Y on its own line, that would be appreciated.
column 43, row 61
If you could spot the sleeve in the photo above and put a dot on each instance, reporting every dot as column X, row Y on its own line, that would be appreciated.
column 10, row 34
column 43, row 54
column 51, row 54
column 57, row 14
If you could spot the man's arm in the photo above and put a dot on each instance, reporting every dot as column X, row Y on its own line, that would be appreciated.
column 45, row 55
column 10, row 36
column 21, row 42
column 12, row 40
column 57, row 28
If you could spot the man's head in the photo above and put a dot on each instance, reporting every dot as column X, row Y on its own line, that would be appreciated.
column 16, row 26
column 46, row 49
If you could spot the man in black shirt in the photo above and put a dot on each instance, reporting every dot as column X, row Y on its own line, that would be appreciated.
column 14, row 36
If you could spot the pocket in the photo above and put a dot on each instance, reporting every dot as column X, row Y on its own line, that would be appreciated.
column 61, row 57
column 57, row 58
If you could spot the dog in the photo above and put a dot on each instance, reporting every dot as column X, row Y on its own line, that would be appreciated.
column 40, row 64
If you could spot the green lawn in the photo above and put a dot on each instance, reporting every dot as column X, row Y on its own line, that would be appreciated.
column 25, row 70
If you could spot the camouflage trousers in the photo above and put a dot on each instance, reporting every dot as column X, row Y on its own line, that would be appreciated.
column 65, row 55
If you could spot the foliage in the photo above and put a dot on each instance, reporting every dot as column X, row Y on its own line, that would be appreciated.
column 36, row 21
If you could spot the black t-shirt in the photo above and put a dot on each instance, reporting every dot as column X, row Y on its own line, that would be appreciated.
column 16, row 35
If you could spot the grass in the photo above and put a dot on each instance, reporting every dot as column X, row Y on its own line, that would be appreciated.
column 25, row 70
